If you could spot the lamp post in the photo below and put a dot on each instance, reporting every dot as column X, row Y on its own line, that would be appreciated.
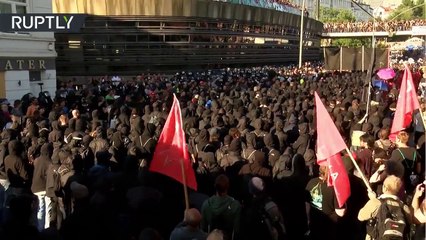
column 302, row 16
column 367, row 85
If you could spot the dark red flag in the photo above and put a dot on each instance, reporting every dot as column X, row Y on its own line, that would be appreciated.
column 329, row 145
column 407, row 103
column 171, row 150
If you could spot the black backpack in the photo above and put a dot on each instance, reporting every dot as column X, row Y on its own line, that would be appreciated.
column 273, row 222
column 391, row 222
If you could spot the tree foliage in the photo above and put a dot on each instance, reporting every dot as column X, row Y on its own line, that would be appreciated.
column 409, row 10
column 328, row 15
column 336, row 15
column 351, row 42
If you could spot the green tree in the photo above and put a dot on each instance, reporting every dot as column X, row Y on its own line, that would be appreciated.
column 336, row 15
column 419, row 11
column 409, row 10
column 328, row 15
column 351, row 42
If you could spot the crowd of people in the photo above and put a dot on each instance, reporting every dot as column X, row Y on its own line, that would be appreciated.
column 78, row 167
column 279, row 5
column 385, row 26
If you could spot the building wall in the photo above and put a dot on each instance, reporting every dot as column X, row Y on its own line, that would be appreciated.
column 360, row 14
column 27, row 46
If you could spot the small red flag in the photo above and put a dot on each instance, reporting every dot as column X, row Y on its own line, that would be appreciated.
column 329, row 145
column 171, row 150
column 407, row 103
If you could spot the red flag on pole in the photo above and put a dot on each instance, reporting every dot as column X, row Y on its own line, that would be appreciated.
column 171, row 152
column 407, row 103
column 329, row 145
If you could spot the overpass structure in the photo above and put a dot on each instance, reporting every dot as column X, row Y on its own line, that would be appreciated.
column 365, row 34
column 415, row 31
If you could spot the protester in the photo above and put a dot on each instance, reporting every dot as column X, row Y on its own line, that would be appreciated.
column 262, row 218
column 419, row 211
column 250, row 134
column 375, row 211
column 322, row 209
column 189, row 228
column 410, row 159
column 221, row 211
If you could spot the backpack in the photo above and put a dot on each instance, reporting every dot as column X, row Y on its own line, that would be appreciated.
column 56, row 184
column 410, row 177
column 220, row 221
column 390, row 221
column 60, row 178
column 273, row 221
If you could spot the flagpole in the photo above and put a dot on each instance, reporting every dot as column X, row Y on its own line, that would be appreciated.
column 423, row 117
column 185, row 189
column 302, row 15
column 364, row 179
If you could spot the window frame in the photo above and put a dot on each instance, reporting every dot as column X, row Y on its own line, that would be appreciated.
column 15, row 3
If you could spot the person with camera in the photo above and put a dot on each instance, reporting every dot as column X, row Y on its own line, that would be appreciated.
column 419, row 210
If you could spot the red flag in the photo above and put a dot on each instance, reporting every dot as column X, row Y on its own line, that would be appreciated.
column 329, row 145
column 171, row 150
column 338, row 178
column 407, row 103
column 329, row 140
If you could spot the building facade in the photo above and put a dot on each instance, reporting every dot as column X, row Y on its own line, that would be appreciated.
column 27, row 60
column 363, row 12
column 129, row 37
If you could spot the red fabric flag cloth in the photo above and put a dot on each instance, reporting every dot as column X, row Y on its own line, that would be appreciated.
column 338, row 178
column 329, row 140
column 171, row 150
column 407, row 103
column 329, row 145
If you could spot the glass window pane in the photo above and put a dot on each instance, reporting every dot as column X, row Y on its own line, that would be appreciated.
column 21, row 9
column 5, row 8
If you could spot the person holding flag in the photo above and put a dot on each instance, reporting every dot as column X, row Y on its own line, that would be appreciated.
column 326, row 205
column 406, row 105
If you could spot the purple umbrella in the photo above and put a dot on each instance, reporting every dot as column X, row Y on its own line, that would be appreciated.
column 386, row 73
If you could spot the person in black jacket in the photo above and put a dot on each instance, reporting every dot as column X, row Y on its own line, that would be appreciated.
column 38, row 187
column 16, row 170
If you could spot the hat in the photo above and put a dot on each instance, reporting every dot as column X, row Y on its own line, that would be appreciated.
column 256, row 186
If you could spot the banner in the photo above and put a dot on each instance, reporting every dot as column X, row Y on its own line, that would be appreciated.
column 352, row 58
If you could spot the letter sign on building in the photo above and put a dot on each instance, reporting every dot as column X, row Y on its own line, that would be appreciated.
column 26, row 64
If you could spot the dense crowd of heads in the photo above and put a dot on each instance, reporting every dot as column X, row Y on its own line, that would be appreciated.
column 368, row 26
column 77, row 167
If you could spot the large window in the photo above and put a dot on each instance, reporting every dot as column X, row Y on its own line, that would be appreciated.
column 13, row 6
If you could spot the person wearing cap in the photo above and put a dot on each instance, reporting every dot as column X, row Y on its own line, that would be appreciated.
column 261, row 217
